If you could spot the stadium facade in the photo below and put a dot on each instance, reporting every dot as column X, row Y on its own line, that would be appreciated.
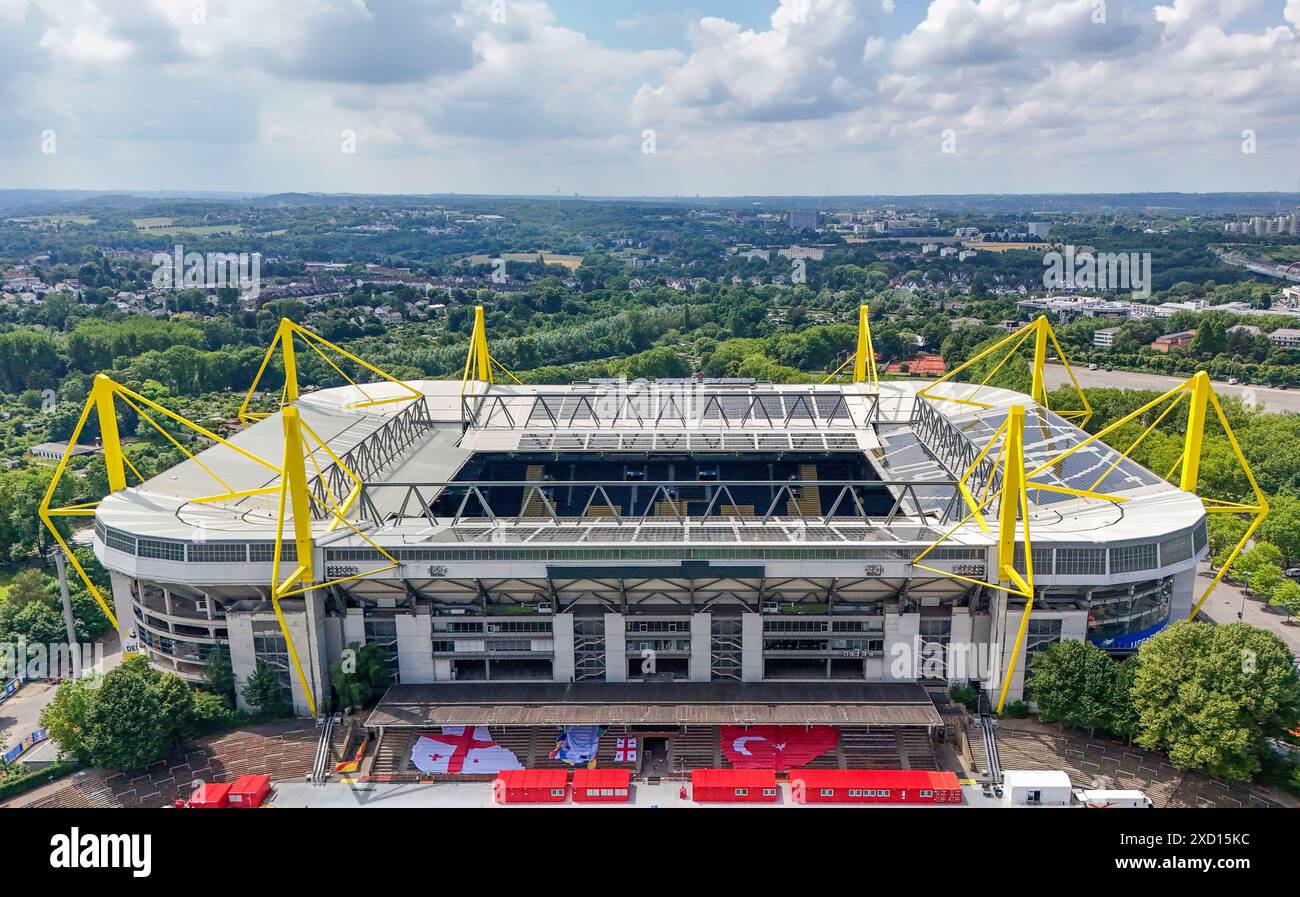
column 669, row 533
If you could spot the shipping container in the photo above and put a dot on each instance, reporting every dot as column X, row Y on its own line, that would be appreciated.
column 605, row 786
column 874, row 786
column 733, row 786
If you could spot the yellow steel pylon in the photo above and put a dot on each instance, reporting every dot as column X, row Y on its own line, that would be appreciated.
column 863, row 358
column 1044, row 337
column 1013, row 509
column 479, row 362
column 291, row 486
column 284, row 339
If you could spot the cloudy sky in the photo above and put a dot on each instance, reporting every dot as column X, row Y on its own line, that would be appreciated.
column 733, row 96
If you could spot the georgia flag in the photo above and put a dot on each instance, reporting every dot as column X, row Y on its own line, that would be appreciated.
column 462, row 750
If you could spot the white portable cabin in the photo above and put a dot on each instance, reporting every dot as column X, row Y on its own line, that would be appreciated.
column 1102, row 799
column 1036, row 788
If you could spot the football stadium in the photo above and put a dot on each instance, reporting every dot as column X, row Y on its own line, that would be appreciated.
column 656, row 577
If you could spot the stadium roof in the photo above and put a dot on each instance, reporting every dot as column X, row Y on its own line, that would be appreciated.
column 678, row 417
column 654, row 703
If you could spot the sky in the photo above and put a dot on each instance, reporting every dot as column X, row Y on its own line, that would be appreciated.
column 646, row 97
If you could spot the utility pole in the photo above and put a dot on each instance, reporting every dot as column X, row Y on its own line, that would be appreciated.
column 62, row 564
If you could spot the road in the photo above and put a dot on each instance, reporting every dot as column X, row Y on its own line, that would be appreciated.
column 1227, row 601
column 20, row 715
column 1274, row 400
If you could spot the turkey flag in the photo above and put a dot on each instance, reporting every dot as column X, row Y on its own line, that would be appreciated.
column 776, row 747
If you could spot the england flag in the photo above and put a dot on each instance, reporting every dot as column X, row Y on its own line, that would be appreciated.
column 462, row 750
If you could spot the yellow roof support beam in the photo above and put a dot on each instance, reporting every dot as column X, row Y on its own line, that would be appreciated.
column 1044, row 342
column 284, row 340
column 863, row 358
column 479, row 361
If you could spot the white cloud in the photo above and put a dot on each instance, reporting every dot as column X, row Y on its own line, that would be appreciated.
column 444, row 95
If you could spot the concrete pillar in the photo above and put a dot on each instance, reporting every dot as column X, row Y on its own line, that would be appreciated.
column 701, row 647
column 615, row 648
column 239, row 628
column 354, row 626
column 316, row 647
column 123, row 608
column 751, row 647
column 962, row 653
column 902, row 641
column 415, row 649
column 564, row 665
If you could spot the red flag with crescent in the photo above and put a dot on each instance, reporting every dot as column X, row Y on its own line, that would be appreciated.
column 776, row 747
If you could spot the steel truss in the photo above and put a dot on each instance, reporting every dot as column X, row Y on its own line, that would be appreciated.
column 668, row 503
column 582, row 409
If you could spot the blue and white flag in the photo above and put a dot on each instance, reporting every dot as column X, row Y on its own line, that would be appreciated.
column 577, row 744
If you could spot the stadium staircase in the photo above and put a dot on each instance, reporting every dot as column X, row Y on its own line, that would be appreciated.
column 810, row 500
column 533, row 506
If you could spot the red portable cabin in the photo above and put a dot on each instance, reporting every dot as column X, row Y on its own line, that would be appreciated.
column 733, row 786
column 602, row 786
column 210, row 795
column 873, row 786
column 248, row 792
column 531, row 786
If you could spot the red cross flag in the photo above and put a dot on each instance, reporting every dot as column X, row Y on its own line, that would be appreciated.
column 462, row 750
column 625, row 750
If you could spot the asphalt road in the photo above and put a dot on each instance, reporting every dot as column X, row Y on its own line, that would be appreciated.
column 1226, row 601
column 1274, row 400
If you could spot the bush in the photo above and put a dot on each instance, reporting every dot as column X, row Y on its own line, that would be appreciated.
column 967, row 697
column 1017, row 710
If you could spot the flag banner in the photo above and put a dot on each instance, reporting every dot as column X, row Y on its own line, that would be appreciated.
column 462, row 750
column 577, row 744
column 625, row 750
column 776, row 747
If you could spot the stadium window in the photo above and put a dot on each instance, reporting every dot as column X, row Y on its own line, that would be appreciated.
column 1131, row 558
column 1080, row 562
column 870, row 792
column 606, row 792
column 926, row 793
column 884, row 792
column 620, row 792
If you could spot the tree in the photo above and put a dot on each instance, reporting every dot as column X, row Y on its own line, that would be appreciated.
column 1072, row 683
column 218, row 674
column 357, row 677
column 264, row 691
column 1212, row 696
column 1282, row 526
column 126, row 720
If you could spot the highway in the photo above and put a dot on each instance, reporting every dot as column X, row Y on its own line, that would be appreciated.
column 1273, row 400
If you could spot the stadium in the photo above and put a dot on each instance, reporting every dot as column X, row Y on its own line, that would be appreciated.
column 662, row 563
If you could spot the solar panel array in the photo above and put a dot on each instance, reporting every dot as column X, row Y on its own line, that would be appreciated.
column 1047, row 436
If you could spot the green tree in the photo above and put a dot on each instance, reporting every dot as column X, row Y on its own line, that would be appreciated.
column 126, row 720
column 218, row 674
column 264, row 691
column 361, row 672
column 1072, row 684
column 1212, row 696
column 1282, row 526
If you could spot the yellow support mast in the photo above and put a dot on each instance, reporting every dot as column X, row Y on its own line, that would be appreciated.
column 1044, row 340
column 863, row 358
column 284, row 340
column 479, row 362
column 1015, row 503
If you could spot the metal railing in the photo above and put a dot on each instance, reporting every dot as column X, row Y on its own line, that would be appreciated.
column 370, row 456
